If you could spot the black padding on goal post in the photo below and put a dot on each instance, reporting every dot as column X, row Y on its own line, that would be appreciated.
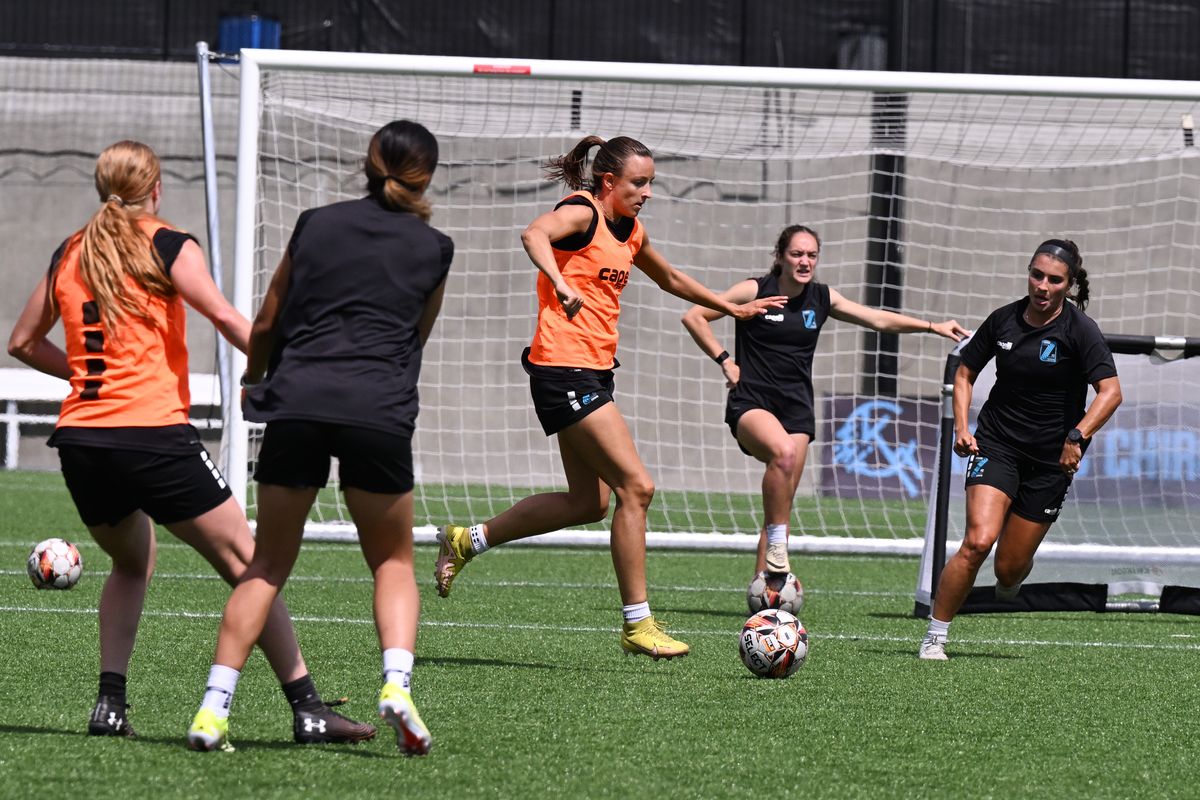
column 1039, row 597
column 1179, row 600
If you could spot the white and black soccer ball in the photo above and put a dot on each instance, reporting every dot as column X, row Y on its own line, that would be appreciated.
column 773, row 644
column 775, row 590
column 54, row 564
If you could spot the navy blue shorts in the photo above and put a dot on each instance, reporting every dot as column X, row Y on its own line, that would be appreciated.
column 108, row 484
column 299, row 453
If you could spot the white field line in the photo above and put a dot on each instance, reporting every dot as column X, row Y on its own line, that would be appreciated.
column 724, row 632
column 212, row 576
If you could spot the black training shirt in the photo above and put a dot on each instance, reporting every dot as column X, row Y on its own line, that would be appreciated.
column 1042, row 377
column 775, row 350
column 348, row 350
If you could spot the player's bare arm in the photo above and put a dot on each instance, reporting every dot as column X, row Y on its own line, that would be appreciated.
column 265, row 327
column 551, row 227
column 195, row 285
column 841, row 308
column 964, row 385
column 673, row 281
column 28, row 343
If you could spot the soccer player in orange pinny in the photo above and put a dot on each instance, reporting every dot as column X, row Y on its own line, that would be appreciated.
column 129, row 456
column 585, row 251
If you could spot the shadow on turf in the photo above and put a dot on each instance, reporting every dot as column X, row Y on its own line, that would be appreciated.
column 911, row 653
column 458, row 661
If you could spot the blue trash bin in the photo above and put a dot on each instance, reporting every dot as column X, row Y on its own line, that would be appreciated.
column 247, row 30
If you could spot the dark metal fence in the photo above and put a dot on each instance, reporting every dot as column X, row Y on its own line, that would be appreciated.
column 1109, row 38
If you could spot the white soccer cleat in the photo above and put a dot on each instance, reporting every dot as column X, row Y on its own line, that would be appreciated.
column 777, row 558
column 933, row 648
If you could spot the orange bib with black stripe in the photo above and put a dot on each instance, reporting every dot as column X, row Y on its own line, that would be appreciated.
column 138, row 375
column 598, row 271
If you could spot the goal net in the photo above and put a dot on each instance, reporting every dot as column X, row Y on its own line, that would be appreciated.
column 929, row 193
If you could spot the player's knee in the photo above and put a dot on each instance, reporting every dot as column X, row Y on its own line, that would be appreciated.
column 975, row 551
column 784, row 457
column 638, row 491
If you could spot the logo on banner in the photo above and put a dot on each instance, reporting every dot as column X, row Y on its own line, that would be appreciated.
column 861, row 446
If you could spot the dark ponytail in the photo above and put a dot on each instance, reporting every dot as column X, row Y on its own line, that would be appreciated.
column 570, row 168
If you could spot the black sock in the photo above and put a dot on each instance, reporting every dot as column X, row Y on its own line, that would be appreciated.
column 302, row 694
column 112, row 684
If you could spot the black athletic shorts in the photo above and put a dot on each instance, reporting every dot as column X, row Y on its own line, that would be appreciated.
column 1037, row 490
column 795, row 417
column 564, row 395
column 298, row 453
column 108, row 485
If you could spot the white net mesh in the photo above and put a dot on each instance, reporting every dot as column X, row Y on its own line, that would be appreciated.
column 985, row 178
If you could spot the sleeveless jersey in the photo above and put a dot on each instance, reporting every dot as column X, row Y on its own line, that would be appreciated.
column 599, row 271
column 137, row 376
column 775, row 350
column 348, row 350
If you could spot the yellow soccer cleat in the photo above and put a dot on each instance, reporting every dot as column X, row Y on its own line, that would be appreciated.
column 396, row 709
column 647, row 637
column 454, row 551
column 209, row 732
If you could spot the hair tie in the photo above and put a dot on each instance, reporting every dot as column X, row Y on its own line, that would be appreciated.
column 117, row 198
column 411, row 187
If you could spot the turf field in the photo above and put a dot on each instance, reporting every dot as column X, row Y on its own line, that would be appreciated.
column 522, row 683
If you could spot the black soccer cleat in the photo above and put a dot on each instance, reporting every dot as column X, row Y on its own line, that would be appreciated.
column 326, row 726
column 109, row 718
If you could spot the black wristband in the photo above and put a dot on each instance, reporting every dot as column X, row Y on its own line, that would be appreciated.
column 721, row 357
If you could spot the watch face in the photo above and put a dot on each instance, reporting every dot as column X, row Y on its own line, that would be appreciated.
column 1074, row 435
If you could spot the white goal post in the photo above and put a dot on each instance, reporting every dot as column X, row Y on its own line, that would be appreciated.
column 929, row 192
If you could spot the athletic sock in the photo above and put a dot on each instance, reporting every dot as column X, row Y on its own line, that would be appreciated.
column 938, row 628
column 478, row 536
column 636, row 612
column 398, row 666
column 302, row 694
column 112, row 685
column 222, row 682
column 777, row 533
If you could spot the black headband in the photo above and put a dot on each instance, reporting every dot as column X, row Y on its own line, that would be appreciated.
column 1061, row 253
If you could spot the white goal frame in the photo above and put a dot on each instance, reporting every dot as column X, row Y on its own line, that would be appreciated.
column 253, row 61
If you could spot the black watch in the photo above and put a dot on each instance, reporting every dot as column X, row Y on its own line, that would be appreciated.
column 1076, row 436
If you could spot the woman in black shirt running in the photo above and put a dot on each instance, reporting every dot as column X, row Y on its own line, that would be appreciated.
column 335, row 353
column 770, row 406
column 1032, row 431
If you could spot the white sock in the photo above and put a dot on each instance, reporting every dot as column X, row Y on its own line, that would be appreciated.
column 777, row 533
column 218, row 694
column 479, row 541
column 397, row 666
column 636, row 612
column 938, row 628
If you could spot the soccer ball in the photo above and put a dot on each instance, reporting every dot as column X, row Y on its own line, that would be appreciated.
column 54, row 564
column 775, row 590
column 773, row 644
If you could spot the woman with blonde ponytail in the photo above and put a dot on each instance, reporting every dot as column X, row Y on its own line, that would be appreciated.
column 128, row 454
column 335, row 354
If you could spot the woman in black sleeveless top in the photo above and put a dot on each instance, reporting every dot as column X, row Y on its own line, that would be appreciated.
column 335, row 353
column 770, row 407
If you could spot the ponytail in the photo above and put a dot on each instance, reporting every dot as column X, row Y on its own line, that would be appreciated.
column 399, row 165
column 112, row 247
column 570, row 168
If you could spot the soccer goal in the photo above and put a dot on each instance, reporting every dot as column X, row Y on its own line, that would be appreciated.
column 929, row 192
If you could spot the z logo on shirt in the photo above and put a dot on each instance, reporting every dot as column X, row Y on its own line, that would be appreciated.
column 1049, row 351
column 810, row 318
